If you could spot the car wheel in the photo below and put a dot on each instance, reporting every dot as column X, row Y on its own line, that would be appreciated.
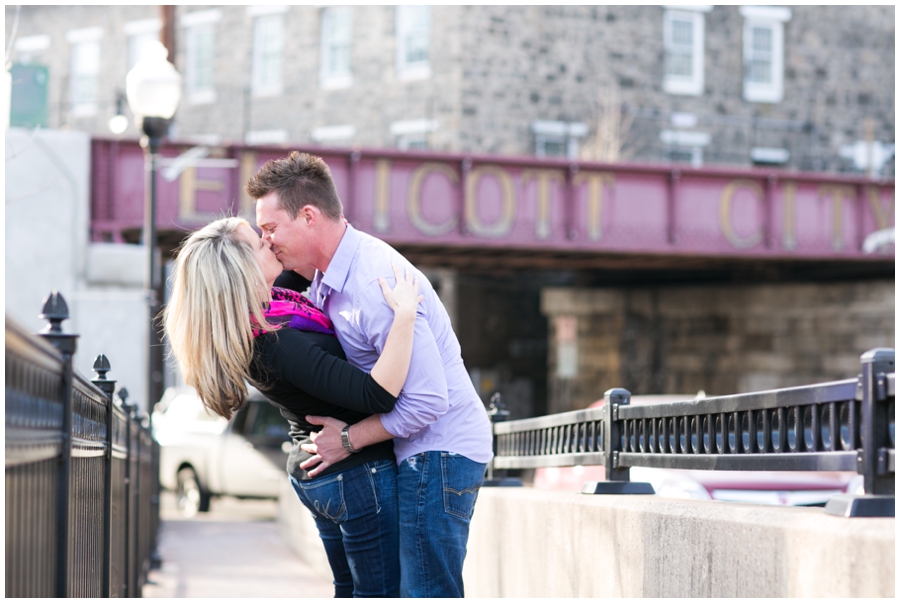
column 191, row 498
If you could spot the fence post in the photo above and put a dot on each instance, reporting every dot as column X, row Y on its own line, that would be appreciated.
column 107, row 386
column 55, row 311
column 129, row 507
column 497, row 413
column 871, row 460
column 618, row 480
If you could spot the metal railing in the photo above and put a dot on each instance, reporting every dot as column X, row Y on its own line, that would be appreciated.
column 839, row 426
column 81, row 473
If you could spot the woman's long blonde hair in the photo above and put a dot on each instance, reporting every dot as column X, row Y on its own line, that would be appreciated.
column 217, row 287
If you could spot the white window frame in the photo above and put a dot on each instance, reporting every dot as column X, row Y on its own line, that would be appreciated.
column 772, row 18
column 331, row 17
column 266, row 17
column 415, row 70
column 266, row 137
column 769, row 156
column 140, row 34
column 688, row 141
column 680, row 84
column 333, row 134
column 413, row 133
column 30, row 48
column 566, row 134
column 196, row 24
column 84, row 42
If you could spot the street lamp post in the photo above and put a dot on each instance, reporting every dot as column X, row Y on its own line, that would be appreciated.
column 153, row 89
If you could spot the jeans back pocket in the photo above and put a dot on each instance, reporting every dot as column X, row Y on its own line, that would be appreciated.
column 462, row 478
column 326, row 497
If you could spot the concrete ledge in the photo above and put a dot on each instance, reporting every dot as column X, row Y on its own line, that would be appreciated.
column 531, row 543
column 299, row 532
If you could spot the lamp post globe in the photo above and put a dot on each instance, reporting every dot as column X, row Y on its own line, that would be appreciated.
column 153, row 90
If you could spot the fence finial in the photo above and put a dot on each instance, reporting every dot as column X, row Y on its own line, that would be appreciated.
column 497, row 410
column 55, row 311
column 101, row 366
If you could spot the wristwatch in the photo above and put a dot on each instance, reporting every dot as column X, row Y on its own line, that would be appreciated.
column 345, row 440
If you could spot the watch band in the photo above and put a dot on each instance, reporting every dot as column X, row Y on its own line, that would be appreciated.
column 345, row 440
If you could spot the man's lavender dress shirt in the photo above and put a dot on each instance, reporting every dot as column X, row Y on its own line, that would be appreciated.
column 438, row 408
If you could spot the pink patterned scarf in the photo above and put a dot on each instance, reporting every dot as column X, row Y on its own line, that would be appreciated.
column 291, row 309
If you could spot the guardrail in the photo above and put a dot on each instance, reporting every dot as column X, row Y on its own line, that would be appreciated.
column 82, row 506
column 839, row 426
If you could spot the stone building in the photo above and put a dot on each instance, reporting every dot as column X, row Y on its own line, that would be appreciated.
column 798, row 88
column 802, row 87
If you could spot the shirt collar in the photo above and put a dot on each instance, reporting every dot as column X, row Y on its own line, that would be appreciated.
column 339, row 268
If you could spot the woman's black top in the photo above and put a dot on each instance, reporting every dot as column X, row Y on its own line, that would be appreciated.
column 306, row 373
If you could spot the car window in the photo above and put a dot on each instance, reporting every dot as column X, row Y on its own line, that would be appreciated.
column 267, row 422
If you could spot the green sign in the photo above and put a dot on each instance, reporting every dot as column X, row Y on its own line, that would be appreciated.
column 28, row 97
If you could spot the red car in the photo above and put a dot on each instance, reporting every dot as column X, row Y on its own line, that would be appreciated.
column 797, row 488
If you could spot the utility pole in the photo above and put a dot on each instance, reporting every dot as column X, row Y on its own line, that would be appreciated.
column 167, row 32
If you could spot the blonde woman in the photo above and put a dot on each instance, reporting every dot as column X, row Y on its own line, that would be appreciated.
column 227, row 324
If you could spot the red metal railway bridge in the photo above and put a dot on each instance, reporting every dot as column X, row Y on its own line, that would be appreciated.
column 483, row 212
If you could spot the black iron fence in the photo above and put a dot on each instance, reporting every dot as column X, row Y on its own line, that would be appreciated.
column 839, row 426
column 82, row 506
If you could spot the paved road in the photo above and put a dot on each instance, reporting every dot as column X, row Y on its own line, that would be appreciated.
column 232, row 551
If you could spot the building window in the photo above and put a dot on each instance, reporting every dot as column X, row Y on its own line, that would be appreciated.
column 769, row 156
column 684, row 146
column 764, row 52
column 334, row 135
column 200, row 47
column 85, row 71
column 266, row 137
column 337, row 39
column 683, row 35
column 413, row 42
column 140, row 35
column 268, row 49
column 30, row 49
column 413, row 134
column 558, row 138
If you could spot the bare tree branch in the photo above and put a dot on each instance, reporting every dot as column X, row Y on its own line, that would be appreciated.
column 610, row 127
column 12, row 36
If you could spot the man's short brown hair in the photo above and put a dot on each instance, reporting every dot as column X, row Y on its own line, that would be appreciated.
column 299, row 179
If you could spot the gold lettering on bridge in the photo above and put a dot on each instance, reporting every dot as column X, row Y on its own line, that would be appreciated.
column 725, row 219
column 381, row 220
column 883, row 218
column 837, row 192
column 414, row 200
column 542, row 207
column 188, row 185
column 595, row 182
column 473, row 222
column 789, row 234
column 248, row 170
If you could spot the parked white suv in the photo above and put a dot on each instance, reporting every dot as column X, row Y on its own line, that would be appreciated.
column 203, row 455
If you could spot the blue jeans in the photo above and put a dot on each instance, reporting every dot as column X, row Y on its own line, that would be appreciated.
column 356, row 514
column 437, row 498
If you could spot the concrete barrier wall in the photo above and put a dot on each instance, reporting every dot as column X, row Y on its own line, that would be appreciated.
column 531, row 543
column 298, row 529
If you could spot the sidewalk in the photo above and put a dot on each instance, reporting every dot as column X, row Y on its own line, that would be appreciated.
column 233, row 551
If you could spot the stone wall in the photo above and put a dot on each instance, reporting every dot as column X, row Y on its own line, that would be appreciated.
column 552, row 63
column 720, row 339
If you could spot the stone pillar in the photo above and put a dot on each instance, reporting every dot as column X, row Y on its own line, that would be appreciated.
column 585, row 330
